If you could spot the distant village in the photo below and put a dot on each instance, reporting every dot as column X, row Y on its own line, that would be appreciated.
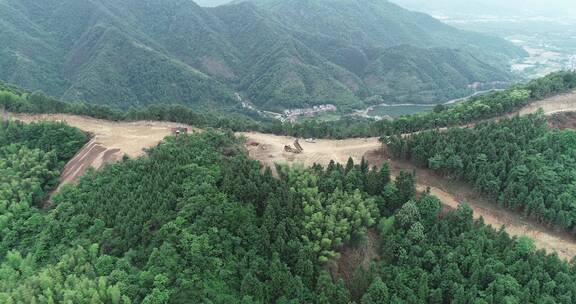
column 290, row 115
column 293, row 114
column 477, row 86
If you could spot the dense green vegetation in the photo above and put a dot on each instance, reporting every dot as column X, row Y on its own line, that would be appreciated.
column 196, row 220
column 519, row 162
column 478, row 108
column 31, row 157
column 342, row 52
column 482, row 107
column 190, row 221
column 399, row 56
column 56, row 138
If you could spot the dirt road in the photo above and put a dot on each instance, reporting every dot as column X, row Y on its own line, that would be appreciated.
column 453, row 193
column 112, row 140
column 555, row 104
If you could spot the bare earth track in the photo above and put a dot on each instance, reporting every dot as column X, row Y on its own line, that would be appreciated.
column 112, row 140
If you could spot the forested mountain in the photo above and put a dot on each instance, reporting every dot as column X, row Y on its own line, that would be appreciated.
column 398, row 54
column 276, row 55
column 375, row 23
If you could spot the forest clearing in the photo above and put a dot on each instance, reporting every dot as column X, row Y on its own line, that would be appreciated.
column 112, row 140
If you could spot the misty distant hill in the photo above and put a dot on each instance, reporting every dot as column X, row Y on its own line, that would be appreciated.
column 276, row 54
column 550, row 8
column 212, row 3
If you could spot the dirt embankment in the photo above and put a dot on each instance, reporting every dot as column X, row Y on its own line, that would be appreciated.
column 93, row 155
column 110, row 140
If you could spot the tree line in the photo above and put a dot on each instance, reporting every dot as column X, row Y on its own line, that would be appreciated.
column 18, row 101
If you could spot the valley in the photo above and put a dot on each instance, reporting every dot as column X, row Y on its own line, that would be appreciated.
column 112, row 140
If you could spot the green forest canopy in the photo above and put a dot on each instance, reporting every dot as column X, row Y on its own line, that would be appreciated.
column 520, row 162
column 195, row 220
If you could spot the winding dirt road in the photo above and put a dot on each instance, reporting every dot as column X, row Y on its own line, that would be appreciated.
column 112, row 140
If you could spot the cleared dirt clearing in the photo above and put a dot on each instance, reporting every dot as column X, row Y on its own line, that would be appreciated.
column 269, row 149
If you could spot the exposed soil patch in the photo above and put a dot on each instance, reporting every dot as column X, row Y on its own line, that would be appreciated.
column 269, row 149
column 92, row 155
column 217, row 68
column 555, row 104
column 352, row 258
column 562, row 120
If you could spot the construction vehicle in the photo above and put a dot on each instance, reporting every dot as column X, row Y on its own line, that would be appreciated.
column 289, row 149
column 178, row 131
column 297, row 145
column 297, row 149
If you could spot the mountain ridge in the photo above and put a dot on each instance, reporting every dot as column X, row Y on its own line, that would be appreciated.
column 182, row 53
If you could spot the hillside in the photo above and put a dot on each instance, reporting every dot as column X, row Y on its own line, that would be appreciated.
column 400, row 56
column 375, row 23
column 102, row 52
column 276, row 55
column 196, row 219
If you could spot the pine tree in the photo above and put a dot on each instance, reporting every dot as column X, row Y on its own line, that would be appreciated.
column 406, row 185
column 349, row 165
column 384, row 175
column 377, row 293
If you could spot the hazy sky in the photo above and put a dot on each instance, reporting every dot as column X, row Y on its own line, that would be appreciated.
column 547, row 8
column 211, row 2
